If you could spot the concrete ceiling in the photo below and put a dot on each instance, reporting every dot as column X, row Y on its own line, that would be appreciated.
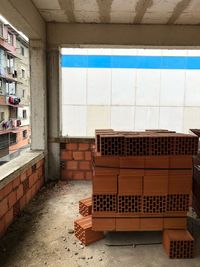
column 120, row 11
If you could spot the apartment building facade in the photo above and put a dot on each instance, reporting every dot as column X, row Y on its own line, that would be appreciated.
column 14, row 92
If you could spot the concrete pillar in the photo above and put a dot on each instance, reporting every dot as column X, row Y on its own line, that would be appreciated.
column 53, row 63
column 38, row 95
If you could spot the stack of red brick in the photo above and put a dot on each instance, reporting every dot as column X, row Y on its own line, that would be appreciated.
column 196, row 177
column 142, row 181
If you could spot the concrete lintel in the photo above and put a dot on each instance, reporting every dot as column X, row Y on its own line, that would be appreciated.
column 63, row 34
column 38, row 43
column 25, row 17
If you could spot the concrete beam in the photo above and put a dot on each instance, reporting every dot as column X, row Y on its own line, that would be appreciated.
column 24, row 16
column 63, row 34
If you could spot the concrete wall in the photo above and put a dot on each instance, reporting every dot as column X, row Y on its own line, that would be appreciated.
column 130, row 98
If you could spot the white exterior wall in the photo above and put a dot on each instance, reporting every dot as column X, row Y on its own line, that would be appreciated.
column 24, row 121
column 129, row 99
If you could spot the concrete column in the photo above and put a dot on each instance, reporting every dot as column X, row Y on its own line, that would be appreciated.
column 53, row 67
column 38, row 95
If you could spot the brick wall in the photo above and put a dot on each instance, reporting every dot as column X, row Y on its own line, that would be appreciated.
column 16, row 194
column 75, row 156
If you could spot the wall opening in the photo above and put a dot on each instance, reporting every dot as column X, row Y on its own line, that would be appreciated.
column 129, row 89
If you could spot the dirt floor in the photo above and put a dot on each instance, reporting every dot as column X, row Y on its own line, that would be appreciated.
column 42, row 236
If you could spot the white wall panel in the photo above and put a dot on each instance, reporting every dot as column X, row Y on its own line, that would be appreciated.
column 146, row 118
column 148, row 87
column 99, row 87
column 191, row 118
column 171, row 118
column 74, row 120
column 122, row 118
column 172, row 88
column 123, row 86
column 192, row 95
column 74, row 85
column 97, row 117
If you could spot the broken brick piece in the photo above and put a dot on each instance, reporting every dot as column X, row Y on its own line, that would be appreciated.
column 83, row 231
column 85, row 206
column 178, row 244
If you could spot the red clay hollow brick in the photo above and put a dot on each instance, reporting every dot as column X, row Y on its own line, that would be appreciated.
column 151, row 224
column 88, row 155
column 106, row 161
column 88, row 175
column 23, row 176
column 175, row 223
column 2, row 226
column 132, row 162
column 105, row 184
column 178, row 244
column 12, row 198
column 7, row 189
column 155, row 185
column 72, row 165
column 65, row 175
column 16, row 182
column 83, row 231
column 159, row 162
column 79, row 175
column 103, row 224
column 181, row 162
column 84, row 147
column 180, row 184
column 127, row 224
column 66, row 155
column 29, row 172
column 3, row 206
column 85, row 165
column 22, row 202
column 72, row 146
column 1, row 194
column 130, row 185
column 9, row 217
column 78, row 155
column 85, row 206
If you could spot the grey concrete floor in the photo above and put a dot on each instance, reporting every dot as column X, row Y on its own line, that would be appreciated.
column 40, row 237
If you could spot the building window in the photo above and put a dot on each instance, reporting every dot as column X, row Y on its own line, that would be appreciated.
column 11, row 88
column 10, row 38
column 2, row 116
column 13, row 138
column 4, row 141
column 25, row 134
column 23, row 93
column 24, row 114
column 22, row 50
column 1, row 29
column 10, row 64
column 23, row 73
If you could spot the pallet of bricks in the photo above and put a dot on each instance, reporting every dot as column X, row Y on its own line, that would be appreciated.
column 142, row 181
column 196, row 178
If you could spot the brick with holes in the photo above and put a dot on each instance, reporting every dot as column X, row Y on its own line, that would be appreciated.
column 85, row 206
column 83, row 231
column 104, row 205
column 178, row 244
